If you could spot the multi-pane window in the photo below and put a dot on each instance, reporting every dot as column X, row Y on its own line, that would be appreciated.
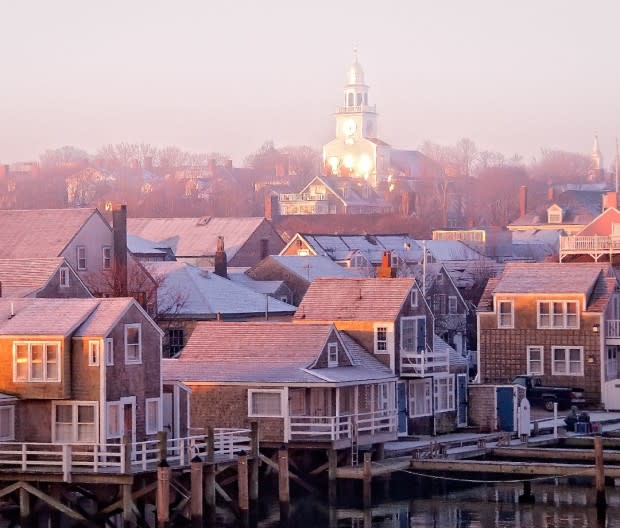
column 64, row 277
column 332, row 355
column 176, row 340
column 439, row 303
column 38, row 361
column 412, row 334
column 107, row 257
column 452, row 304
column 93, row 353
column 133, row 343
column 81, row 257
column 265, row 403
column 557, row 314
column 444, row 394
column 381, row 339
column 567, row 361
column 74, row 422
column 152, row 415
column 505, row 314
column 420, row 397
column 535, row 360
column 7, row 422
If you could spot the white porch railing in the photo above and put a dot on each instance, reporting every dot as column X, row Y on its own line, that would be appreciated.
column 321, row 428
column 612, row 328
column 591, row 245
column 423, row 363
column 117, row 457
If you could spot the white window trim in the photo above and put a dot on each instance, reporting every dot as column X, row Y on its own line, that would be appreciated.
column 118, row 434
column 542, row 359
column 93, row 360
column 11, row 433
column 567, row 361
column 103, row 257
column 499, row 314
column 283, row 403
column 44, row 361
column 80, row 249
column 74, row 413
column 132, row 361
column 147, row 401
column 414, row 298
column 452, row 305
column 564, row 325
column 376, row 328
column 64, row 277
column 428, row 403
column 402, row 327
column 330, row 348
column 108, row 348
column 450, row 395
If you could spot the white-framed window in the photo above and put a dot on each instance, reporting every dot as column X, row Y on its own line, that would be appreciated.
column 394, row 261
column 284, row 298
column 133, row 343
column 303, row 252
column 106, row 255
column 554, row 215
column 7, row 422
column 265, row 403
column 64, row 277
column 413, row 334
column 93, row 353
column 420, row 403
column 414, row 298
column 558, row 314
column 115, row 420
column 81, row 257
column 109, row 351
column 153, row 416
column 505, row 314
column 452, row 304
column 439, row 303
column 381, row 340
column 444, row 394
column 36, row 361
column 383, row 396
column 74, row 422
column 535, row 360
column 332, row 354
column 567, row 360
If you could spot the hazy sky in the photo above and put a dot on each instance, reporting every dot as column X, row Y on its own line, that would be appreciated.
column 225, row 75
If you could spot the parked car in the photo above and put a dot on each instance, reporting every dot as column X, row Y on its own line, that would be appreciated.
column 539, row 394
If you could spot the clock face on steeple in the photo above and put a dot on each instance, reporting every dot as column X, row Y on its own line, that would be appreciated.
column 348, row 127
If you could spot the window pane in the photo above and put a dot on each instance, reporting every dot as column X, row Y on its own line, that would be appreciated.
column 52, row 362
column 86, row 414
column 86, row 433
column 64, row 413
column 64, row 432
column 408, row 340
column 6, row 422
column 133, row 335
column 266, row 403
column 21, row 362
column 36, row 355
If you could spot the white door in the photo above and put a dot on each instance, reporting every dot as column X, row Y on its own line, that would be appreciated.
column 168, row 418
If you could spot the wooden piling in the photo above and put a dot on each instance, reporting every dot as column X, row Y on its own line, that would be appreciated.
column 599, row 480
column 163, row 494
column 242, row 486
column 332, row 483
column 283, row 482
column 24, row 506
column 367, row 480
column 162, row 445
column 126, row 453
column 197, row 497
column 129, row 520
column 254, row 463
column 209, row 487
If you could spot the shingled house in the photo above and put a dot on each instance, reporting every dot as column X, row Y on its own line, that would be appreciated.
column 558, row 321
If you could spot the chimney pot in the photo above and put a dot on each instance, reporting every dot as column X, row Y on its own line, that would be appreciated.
column 221, row 263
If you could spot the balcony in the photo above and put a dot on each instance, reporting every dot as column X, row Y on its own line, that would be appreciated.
column 302, row 197
column 594, row 246
column 345, row 427
column 357, row 108
column 423, row 363
column 612, row 329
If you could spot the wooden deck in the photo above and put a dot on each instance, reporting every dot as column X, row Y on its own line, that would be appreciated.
column 377, row 469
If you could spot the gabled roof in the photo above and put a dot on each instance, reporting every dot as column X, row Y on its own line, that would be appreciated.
column 268, row 287
column 40, row 233
column 578, row 207
column 354, row 194
column 602, row 224
column 186, row 290
column 354, row 299
column 311, row 268
column 107, row 314
column 230, row 352
column 195, row 237
column 25, row 277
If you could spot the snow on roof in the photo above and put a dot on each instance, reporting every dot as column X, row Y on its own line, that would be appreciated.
column 311, row 268
column 137, row 244
column 450, row 250
column 268, row 287
column 190, row 290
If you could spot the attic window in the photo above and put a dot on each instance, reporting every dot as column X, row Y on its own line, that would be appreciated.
column 64, row 277
column 554, row 216
column 332, row 355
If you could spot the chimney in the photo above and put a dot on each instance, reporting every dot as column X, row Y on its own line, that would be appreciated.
column 386, row 271
column 119, row 235
column 610, row 199
column 133, row 164
column 221, row 264
column 522, row 200
column 228, row 164
column 272, row 206
column 211, row 166
column 148, row 163
column 550, row 193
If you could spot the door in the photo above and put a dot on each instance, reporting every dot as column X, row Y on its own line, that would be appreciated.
column 168, row 418
column 129, row 420
column 505, row 408
column 401, row 398
column 461, row 398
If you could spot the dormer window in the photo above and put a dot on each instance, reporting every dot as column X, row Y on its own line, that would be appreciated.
column 414, row 298
column 332, row 355
column 64, row 277
column 554, row 215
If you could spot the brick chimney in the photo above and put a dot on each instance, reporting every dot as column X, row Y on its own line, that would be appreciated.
column 386, row 271
column 550, row 193
column 119, row 249
column 522, row 200
column 610, row 199
column 272, row 206
column 221, row 262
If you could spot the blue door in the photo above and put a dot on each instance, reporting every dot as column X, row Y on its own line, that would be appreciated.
column 505, row 408
column 401, row 398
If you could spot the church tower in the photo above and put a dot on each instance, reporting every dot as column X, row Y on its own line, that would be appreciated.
column 597, row 170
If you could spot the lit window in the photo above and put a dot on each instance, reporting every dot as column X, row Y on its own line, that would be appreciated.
column 81, row 257
column 64, row 277
column 152, row 416
column 558, row 314
column 535, row 364
column 505, row 314
column 107, row 257
column 133, row 343
column 7, row 423
column 567, row 361
column 74, row 422
column 265, row 403
column 93, row 353
column 36, row 362
column 444, row 394
column 420, row 397
column 332, row 355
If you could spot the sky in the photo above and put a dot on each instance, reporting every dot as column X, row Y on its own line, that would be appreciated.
column 226, row 75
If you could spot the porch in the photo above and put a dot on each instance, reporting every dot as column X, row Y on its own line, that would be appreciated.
column 424, row 363
column 596, row 246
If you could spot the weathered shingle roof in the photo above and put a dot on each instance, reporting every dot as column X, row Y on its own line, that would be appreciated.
column 187, row 290
column 23, row 277
column 104, row 317
column 194, row 237
column 40, row 232
column 330, row 299
column 486, row 300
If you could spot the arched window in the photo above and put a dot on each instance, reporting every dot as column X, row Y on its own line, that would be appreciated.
column 350, row 103
column 359, row 99
column 365, row 98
